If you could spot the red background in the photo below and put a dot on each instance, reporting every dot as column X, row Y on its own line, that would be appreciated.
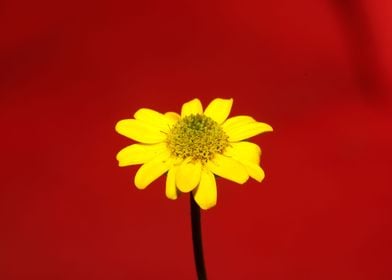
column 318, row 71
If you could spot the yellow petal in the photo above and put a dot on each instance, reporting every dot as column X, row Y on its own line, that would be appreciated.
column 254, row 170
column 247, row 130
column 171, row 190
column 248, row 154
column 140, row 131
column 192, row 107
column 188, row 175
column 206, row 194
column 173, row 116
column 219, row 109
column 228, row 168
column 139, row 153
column 154, row 118
column 246, row 151
column 151, row 170
column 236, row 122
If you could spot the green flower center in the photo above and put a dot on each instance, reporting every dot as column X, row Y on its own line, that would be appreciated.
column 197, row 137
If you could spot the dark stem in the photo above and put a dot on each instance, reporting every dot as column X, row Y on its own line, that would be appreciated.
column 197, row 241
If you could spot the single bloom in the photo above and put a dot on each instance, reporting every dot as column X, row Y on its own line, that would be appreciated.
column 192, row 148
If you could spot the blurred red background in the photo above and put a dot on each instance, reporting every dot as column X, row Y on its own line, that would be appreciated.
column 318, row 71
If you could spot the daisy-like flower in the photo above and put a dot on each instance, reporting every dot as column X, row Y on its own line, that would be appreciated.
column 192, row 148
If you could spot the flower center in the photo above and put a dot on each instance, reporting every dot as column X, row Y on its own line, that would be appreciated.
column 197, row 137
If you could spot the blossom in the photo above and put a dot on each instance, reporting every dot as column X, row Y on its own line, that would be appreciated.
column 192, row 148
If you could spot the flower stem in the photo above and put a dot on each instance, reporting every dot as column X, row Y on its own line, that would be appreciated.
column 197, row 240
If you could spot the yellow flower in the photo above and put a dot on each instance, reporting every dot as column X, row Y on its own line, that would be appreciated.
column 192, row 148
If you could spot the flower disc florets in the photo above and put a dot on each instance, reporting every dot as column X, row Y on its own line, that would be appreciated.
column 197, row 137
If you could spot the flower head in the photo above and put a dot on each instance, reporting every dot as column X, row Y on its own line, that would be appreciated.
column 192, row 148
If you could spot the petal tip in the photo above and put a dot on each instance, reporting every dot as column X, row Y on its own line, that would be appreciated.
column 243, row 181
column 259, row 179
column 139, row 186
column 188, row 176
column 119, row 125
column 206, row 207
column 219, row 109
column 269, row 128
column 191, row 107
